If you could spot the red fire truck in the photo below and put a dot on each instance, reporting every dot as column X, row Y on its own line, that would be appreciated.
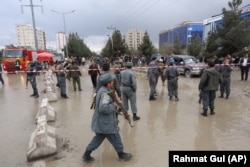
column 15, row 58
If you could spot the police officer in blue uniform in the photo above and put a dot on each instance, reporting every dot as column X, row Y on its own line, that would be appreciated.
column 62, row 80
column 225, row 83
column 129, row 86
column 104, row 121
column 31, row 76
column 152, row 75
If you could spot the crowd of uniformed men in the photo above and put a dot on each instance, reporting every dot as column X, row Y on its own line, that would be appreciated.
column 122, row 81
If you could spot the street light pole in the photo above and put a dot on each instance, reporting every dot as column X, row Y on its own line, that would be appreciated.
column 64, row 26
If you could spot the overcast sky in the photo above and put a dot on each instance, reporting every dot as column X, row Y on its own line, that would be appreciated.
column 92, row 17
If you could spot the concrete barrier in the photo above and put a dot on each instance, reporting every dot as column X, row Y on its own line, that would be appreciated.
column 42, row 141
column 47, row 110
column 50, row 94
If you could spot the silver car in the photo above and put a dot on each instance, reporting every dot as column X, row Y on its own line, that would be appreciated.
column 188, row 65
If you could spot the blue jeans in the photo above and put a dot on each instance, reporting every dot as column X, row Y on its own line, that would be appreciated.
column 208, row 99
column 114, row 139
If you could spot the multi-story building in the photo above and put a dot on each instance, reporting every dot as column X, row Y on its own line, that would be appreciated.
column 134, row 38
column 181, row 33
column 60, row 41
column 212, row 23
column 25, row 37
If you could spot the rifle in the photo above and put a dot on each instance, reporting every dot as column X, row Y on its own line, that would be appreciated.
column 93, row 102
column 125, row 113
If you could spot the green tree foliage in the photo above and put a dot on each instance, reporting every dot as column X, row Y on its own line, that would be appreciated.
column 177, row 47
column 115, row 46
column 166, row 49
column 211, row 45
column 77, row 47
column 194, row 48
column 232, row 36
column 146, row 48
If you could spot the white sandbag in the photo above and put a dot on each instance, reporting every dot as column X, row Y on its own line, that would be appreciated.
column 47, row 110
column 50, row 94
column 43, row 141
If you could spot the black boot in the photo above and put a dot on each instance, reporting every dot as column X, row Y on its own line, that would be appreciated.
column 135, row 117
column 212, row 112
column 65, row 96
column 226, row 96
column 32, row 95
column 204, row 112
column 36, row 95
column 152, row 98
column 124, row 156
column 221, row 96
column 86, row 156
column 176, row 98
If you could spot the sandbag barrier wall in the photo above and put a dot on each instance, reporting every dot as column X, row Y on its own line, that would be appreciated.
column 43, row 139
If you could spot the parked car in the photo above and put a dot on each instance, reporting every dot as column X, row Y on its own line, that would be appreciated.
column 189, row 66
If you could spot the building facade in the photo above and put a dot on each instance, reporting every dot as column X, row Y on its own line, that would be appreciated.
column 212, row 23
column 60, row 42
column 134, row 38
column 181, row 33
column 25, row 37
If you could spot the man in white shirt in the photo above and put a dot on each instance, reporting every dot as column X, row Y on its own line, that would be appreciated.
column 244, row 66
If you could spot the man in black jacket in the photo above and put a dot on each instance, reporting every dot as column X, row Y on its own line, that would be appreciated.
column 209, row 84
column 244, row 66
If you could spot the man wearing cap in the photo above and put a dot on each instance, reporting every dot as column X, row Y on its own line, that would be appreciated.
column 104, row 122
column 152, row 75
column 116, row 87
column 129, row 86
column 171, row 75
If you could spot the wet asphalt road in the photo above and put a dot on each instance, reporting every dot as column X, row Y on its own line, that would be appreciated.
column 165, row 125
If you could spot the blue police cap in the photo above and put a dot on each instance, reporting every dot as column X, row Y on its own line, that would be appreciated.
column 106, row 78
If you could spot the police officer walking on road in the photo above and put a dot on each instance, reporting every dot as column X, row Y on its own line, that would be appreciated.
column 171, row 74
column 62, row 80
column 152, row 75
column 104, row 121
column 129, row 86
column 225, row 83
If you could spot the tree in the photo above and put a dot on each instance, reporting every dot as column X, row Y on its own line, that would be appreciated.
column 177, row 47
column 232, row 35
column 194, row 48
column 77, row 47
column 166, row 49
column 115, row 46
column 146, row 48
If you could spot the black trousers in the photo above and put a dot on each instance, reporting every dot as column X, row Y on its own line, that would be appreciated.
column 94, row 80
column 244, row 72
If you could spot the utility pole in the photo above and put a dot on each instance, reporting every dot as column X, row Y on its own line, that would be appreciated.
column 64, row 27
column 33, row 19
